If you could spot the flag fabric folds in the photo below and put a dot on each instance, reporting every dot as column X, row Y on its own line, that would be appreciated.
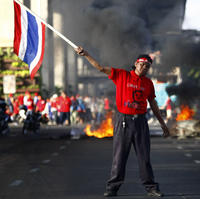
column 29, row 38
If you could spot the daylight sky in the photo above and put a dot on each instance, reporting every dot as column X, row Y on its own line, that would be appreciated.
column 192, row 15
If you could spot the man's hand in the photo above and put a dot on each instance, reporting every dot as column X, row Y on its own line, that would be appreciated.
column 81, row 51
column 93, row 62
column 156, row 111
column 165, row 131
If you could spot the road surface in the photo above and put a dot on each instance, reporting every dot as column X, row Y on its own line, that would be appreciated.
column 58, row 167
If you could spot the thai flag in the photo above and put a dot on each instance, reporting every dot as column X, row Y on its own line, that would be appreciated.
column 29, row 38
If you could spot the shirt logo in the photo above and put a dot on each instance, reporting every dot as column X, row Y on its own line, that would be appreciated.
column 130, row 85
column 138, row 100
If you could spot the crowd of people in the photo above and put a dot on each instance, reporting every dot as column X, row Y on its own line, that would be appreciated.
column 59, row 109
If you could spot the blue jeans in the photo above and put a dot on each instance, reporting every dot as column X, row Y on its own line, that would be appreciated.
column 63, row 117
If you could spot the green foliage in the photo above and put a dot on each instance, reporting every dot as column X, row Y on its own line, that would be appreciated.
column 197, row 74
column 8, row 53
column 1, row 52
column 20, row 73
column 19, row 64
column 194, row 73
column 9, row 60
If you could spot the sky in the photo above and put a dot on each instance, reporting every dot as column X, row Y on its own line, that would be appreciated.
column 192, row 15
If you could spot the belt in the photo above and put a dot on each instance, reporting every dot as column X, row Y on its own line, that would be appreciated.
column 129, row 116
column 132, row 116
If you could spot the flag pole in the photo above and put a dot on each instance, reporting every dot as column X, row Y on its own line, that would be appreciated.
column 49, row 26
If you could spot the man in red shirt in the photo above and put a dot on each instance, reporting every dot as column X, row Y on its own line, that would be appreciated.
column 40, row 105
column 64, row 103
column 29, row 103
column 133, row 89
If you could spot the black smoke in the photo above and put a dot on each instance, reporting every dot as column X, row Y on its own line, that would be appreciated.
column 113, row 31
column 116, row 31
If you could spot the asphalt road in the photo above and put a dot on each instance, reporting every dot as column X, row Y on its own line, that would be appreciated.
column 54, row 166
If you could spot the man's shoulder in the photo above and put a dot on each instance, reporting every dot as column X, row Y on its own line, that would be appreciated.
column 120, row 70
column 147, row 78
column 148, row 81
column 118, row 73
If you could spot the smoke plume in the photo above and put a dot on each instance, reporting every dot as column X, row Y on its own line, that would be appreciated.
column 116, row 31
column 113, row 31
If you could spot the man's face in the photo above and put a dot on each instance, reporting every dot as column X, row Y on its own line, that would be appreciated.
column 63, row 94
column 141, row 68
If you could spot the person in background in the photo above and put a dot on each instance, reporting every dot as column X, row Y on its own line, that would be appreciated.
column 88, row 114
column 15, row 109
column 25, row 98
column 40, row 104
column 10, row 102
column 81, row 110
column 93, row 109
column 46, row 113
column 73, row 110
column 168, row 107
column 133, row 89
column 106, row 104
column 64, row 103
column 21, row 100
column 29, row 104
column 54, row 108
column 35, row 98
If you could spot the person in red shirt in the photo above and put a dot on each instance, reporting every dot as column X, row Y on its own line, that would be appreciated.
column 133, row 89
column 168, row 106
column 40, row 104
column 64, row 103
column 29, row 104
column 15, row 108
column 21, row 100
column 106, row 104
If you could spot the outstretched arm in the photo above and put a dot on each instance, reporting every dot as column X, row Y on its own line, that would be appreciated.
column 156, row 111
column 93, row 62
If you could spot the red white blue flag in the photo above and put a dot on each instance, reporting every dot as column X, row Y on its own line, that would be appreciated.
column 29, row 38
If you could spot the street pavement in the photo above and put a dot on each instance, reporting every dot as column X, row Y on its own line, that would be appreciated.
column 55, row 165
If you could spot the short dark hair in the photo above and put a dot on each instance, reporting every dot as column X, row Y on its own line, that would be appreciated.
column 145, row 56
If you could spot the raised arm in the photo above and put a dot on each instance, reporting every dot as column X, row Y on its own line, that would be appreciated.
column 93, row 62
column 156, row 111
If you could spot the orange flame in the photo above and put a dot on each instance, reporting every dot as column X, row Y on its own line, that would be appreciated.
column 185, row 114
column 105, row 129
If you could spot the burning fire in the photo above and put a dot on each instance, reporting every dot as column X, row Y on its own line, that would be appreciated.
column 105, row 129
column 185, row 114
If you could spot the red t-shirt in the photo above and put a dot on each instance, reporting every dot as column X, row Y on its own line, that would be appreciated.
column 64, row 104
column 54, row 104
column 132, row 91
column 106, row 104
column 30, row 104
column 16, row 107
column 40, row 105
column 21, row 100
column 168, row 104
